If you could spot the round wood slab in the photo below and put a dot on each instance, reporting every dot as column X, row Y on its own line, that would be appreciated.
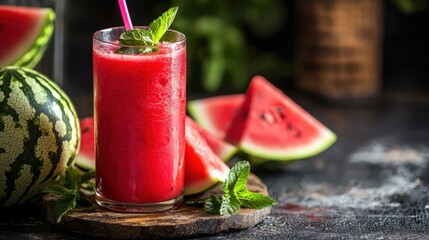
column 185, row 221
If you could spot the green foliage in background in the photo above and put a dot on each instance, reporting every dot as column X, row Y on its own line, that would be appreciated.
column 412, row 6
column 230, row 41
column 221, row 54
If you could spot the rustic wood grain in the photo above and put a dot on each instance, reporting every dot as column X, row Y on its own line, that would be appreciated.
column 185, row 221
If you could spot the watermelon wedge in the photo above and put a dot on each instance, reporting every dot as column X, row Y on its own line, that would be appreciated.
column 222, row 149
column 85, row 159
column 24, row 34
column 215, row 113
column 203, row 168
column 270, row 126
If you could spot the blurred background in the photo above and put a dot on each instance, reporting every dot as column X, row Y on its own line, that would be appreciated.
column 228, row 42
column 310, row 47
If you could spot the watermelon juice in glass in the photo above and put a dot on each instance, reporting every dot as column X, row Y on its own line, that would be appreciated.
column 139, row 104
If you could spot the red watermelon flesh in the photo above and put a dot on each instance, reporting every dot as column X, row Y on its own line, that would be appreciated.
column 19, row 27
column 269, row 125
column 221, row 148
column 86, row 156
column 203, row 168
column 215, row 113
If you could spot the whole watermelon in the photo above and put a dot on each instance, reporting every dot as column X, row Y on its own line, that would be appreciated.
column 39, row 134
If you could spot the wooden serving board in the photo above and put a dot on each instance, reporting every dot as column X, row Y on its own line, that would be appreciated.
column 185, row 221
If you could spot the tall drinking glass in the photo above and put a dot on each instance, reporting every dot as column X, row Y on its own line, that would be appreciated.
column 139, row 102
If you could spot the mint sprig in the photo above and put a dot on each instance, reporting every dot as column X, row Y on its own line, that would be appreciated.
column 235, row 193
column 160, row 25
column 149, row 37
column 75, row 186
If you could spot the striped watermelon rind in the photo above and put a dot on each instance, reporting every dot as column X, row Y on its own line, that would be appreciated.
column 29, row 55
column 222, row 149
column 203, row 168
column 39, row 134
column 214, row 113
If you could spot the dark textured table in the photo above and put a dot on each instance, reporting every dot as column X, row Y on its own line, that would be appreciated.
column 372, row 184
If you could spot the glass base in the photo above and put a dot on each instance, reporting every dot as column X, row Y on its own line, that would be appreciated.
column 138, row 207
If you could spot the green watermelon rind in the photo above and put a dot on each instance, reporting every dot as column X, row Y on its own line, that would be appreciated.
column 35, row 52
column 84, row 162
column 21, row 183
column 228, row 152
column 197, row 151
column 198, row 112
column 223, row 149
column 216, row 178
column 261, row 155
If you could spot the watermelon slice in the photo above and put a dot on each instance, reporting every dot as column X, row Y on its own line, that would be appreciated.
column 222, row 149
column 24, row 34
column 215, row 113
column 86, row 157
column 270, row 126
column 203, row 168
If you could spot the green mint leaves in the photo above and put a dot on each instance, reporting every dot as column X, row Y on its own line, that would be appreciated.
column 236, row 193
column 75, row 186
column 137, row 37
column 159, row 26
column 147, row 37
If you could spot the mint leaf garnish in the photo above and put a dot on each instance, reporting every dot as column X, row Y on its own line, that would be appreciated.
column 237, row 177
column 137, row 37
column 65, row 204
column 255, row 200
column 212, row 205
column 235, row 193
column 147, row 37
column 161, row 24
column 230, row 204
column 73, row 187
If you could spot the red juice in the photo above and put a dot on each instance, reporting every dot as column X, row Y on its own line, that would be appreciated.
column 139, row 123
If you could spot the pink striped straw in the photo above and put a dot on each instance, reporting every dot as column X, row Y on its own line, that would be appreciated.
column 125, row 15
